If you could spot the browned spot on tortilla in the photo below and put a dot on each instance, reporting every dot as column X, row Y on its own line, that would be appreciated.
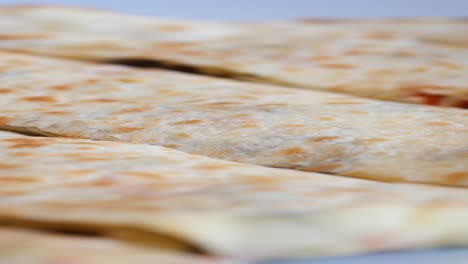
column 22, row 36
column 13, row 193
column 435, row 123
column 183, row 135
column 422, row 87
column 172, row 46
column 84, row 157
column 133, row 110
column 212, row 167
column 323, row 168
column 7, row 166
column 26, row 142
column 339, row 88
column 240, row 115
column 62, row 105
column 338, row 65
column 293, row 151
column 405, row 53
column 252, row 125
column 359, row 112
column 189, row 122
column 61, row 87
column 374, row 140
column 22, row 154
column 173, row 28
column 127, row 129
column 421, row 69
column 169, row 92
column 355, row 52
column 427, row 210
column 5, row 91
column 103, row 100
column 326, row 118
column 171, row 145
column 40, row 99
column 322, row 57
column 450, row 65
column 430, row 98
column 58, row 113
column 145, row 175
column 92, row 81
column 179, row 111
column 103, row 182
column 461, row 104
column 4, row 119
column 247, row 96
column 381, row 35
column 8, row 180
column 102, row 45
column 78, row 172
column 131, row 80
column 324, row 138
column 377, row 177
column 456, row 177
column 260, row 179
column 382, row 72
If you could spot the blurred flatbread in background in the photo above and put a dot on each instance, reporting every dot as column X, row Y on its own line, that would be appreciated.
column 443, row 31
column 407, row 61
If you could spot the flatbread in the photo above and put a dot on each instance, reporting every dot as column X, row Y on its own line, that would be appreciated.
column 20, row 246
column 411, row 63
column 145, row 193
column 442, row 31
column 244, row 122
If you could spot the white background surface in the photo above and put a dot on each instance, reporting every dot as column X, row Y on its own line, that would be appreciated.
column 276, row 9
column 241, row 10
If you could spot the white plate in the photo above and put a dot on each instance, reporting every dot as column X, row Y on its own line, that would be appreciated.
column 441, row 256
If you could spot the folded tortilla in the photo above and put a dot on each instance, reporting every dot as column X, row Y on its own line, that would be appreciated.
column 244, row 122
column 22, row 246
column 442, row 31
column 150, row 194
column 407, row 61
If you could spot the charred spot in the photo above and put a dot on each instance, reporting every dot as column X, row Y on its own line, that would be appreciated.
column 22, row 36
column 455, row 178
column 293, row 151
column 128, row 129
column 4, row 119
column 5, row 91
column 26, row 143
column 212, row 167
column 323, row 138
column 462, row 104
column 40, row 99
column 189, row 122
